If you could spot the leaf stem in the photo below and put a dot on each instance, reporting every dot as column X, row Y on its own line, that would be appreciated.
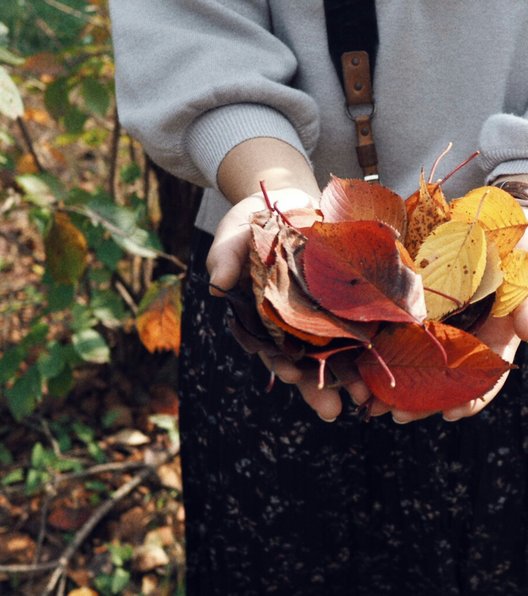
column 437, row 161
column 266, row 196
column 459, row 167
column 384, row 366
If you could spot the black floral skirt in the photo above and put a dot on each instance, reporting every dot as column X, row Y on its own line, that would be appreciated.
column 280, row 502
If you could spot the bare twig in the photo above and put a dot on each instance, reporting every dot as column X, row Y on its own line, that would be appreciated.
column 114, row 147
column 112, row 467
column 125, row 294
column 59, row 565
column 97, row 516
column 67, row 9
column 31, row 148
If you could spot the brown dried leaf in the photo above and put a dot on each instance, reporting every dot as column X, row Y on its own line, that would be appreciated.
column 426, row 209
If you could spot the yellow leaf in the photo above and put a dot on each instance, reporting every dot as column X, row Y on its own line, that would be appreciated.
column 84, row 591
column 514, row 288
column 66, row 250
column 493, row 275
column 497, row 212
column 159, row 319
column 451, row 261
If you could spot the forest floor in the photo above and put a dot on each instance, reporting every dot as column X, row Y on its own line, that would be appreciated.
column 90, row 484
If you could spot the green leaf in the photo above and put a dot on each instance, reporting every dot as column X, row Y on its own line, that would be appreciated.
column 60, row 296
column 10, row 363
column 120, row 580
column 82, row 317
column 37, row 335
column 77, row 196
column 74, row 120
column 108, row 307
column 83, row 432
column 130, row 173
column 91, row 346
column 122, row 224
column 109, row 253
column 10, row 99
column 23, row 396
column 51, row 362
column 6, row 457
column 38, row 456
column 13, row 477
column 120, row 553
column 39, row 189
column 56, row 97
column 62, row 384
column 96, row 96
column 34, row 480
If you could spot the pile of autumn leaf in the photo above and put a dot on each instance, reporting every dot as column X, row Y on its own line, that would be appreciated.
column 374, row 284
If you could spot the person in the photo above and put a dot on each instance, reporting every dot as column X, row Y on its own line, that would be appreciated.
column 290, row 492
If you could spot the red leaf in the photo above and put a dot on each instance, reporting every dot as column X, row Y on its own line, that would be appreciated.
column 356, row 200
column 423, row 380
column 356, row 271
column 302, row 316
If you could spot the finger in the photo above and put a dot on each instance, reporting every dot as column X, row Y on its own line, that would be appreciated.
column 358, row 391
column 326, row 402
column 229, row 251
column 520, row 320
column 404, row 417
column 499, row 334
column 283, row 368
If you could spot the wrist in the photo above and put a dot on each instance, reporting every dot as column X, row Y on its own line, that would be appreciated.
column 517, row 186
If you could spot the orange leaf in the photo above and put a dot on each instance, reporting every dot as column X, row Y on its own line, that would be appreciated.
column 37, row 115
column 423, row 380
column 346, row 199
column 159, row 318
column 26, row 164
column 66, row 250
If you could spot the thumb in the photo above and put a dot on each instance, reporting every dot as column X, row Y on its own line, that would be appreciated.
column 229, row 252
column 520, row 320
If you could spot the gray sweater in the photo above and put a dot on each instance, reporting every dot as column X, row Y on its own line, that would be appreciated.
column 196, row 77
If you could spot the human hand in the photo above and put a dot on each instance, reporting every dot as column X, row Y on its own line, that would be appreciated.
column 226, row 261
column 502, row 334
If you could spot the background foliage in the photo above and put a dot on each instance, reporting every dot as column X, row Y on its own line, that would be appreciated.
column 83, row 265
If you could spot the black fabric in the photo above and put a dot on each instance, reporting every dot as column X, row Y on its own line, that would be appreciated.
column 280, row 503
column 351, row 25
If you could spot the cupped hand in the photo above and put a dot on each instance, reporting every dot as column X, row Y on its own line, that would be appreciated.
column 226, row 261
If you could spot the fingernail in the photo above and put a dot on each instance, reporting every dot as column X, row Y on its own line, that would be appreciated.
column 326, row 419
column 451, row 418
column 400, row 421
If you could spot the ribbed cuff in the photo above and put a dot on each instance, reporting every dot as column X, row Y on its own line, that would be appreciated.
column 504, row 145
column 508, row 168
column 214, row 134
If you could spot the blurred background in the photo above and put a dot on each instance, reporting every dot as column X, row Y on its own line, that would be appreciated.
column 93, row 246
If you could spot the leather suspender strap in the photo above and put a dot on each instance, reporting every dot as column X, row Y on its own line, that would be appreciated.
column 360, row 106
column 352, row 25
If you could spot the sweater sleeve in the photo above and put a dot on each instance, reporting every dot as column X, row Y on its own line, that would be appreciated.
column 194, row 78
column 504, row 145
